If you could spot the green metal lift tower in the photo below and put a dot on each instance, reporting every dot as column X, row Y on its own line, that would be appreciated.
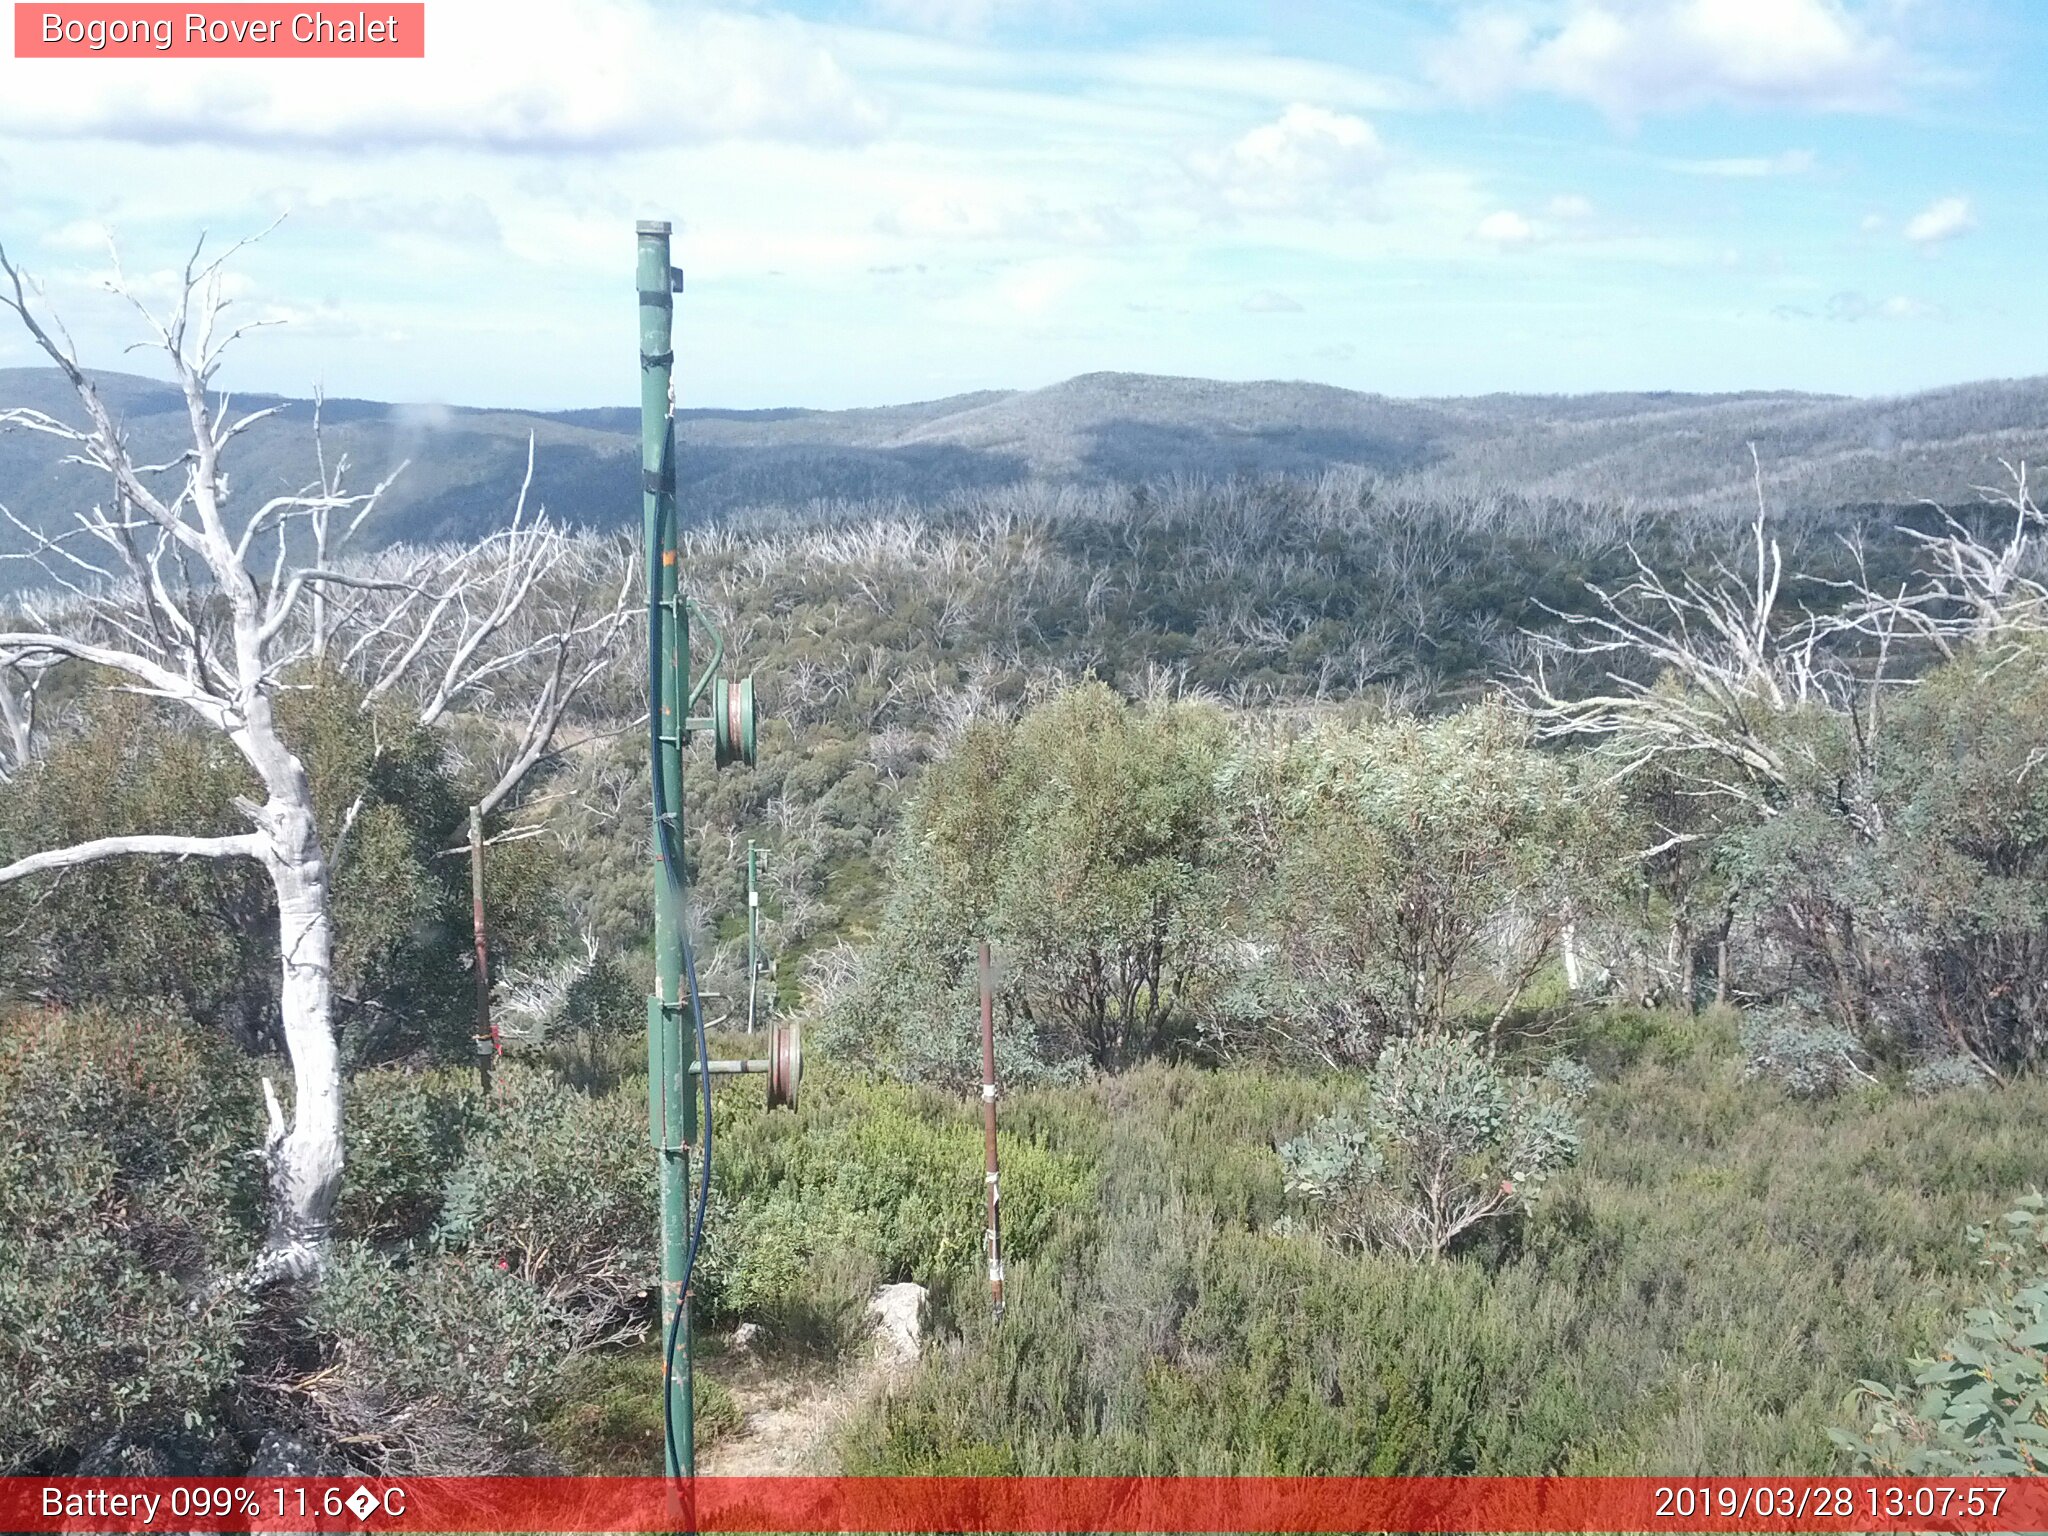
column 679, row 1108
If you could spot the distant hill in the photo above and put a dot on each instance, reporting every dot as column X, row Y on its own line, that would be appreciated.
column 1664, row 450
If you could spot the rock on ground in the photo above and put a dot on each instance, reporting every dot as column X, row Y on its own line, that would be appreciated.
column 793, row 1417
column 898, row 1311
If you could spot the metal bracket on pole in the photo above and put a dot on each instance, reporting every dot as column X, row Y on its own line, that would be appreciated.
column 783, row 1066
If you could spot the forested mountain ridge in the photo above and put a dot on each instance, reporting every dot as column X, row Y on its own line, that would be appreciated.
column 463, row 464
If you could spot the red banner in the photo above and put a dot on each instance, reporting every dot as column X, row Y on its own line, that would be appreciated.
column 1024, row 1504
column 377, row 30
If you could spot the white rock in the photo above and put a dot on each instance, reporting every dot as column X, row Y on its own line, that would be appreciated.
column 898, row 1311
column 743, row 1337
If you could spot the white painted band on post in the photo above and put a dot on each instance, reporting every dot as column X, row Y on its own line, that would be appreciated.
column 988, row 1093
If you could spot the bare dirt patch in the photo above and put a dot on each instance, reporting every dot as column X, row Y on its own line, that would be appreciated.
column 793, row 1412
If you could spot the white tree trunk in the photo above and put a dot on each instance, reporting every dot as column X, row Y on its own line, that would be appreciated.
column 303, row 1156
column 305, row 1159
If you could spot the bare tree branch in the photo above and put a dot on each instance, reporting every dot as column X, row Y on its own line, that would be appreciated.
column 249, row 845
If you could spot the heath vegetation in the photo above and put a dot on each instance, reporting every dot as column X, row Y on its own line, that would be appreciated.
column 1486, row 981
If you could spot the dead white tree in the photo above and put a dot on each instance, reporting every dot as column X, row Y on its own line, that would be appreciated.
column 1700, row 675
column 20, row 683
column 175, row 592
column 1697, row 677
column 1699, row 669
column 536, row 620
column 1976, row 594
column 1706, row 666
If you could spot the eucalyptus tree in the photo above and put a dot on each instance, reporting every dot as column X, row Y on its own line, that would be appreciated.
column 1403, row 877
column 176, row 588
column 1081, row 840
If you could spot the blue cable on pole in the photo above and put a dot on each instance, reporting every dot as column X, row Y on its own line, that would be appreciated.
column 672, row 868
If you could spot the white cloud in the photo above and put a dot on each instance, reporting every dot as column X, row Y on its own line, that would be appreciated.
column 521, row 75
column 964, row 17
column 1855, row 307
column 971, row 19
column 1011, row 224
column 974, row 19
column 944, row 217
column 1116, row 86
column 1942, row 219
column 1035, row 289
column 1633, row 57
column 463, row 217
column 84, row 235
column 1791, row 162
column 1308, row 160
column 1238, row 73
column 1270, row 301
column 968, row 213
column 1506, row 229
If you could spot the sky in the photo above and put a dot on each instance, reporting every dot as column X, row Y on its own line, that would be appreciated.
column 887, row 200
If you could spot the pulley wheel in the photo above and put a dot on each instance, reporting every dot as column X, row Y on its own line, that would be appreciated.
column 732, row 721
column 785, row 1065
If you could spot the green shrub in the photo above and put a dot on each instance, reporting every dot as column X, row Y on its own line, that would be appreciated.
column 608, row 1420
column 559, row 1188
column 202, row 933
column 1573, row 1080
column 1444, row 1140
column 1405, row 873
column 146, row 932
column 1803, row 1054
column 1979, row 1408
column 434, row 1363
column 716, row 1412
column 1696, row 1293
column 1613, row 1038
column 1082, row 842
column 1946, row 1074
column 869, row 1182
column 404, row 1132
column 1903, row 882
column 128, row 1204
column 605, row 1001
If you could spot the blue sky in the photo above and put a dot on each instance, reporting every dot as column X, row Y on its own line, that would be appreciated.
column 884, row 200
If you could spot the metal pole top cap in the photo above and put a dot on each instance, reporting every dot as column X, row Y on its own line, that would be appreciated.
column 653, row 227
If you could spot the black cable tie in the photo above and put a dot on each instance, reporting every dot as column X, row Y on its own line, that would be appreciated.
column 662, row 296
column 657, row 359
column 658, row 482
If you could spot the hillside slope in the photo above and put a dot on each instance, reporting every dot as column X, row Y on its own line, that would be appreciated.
column 464, row 465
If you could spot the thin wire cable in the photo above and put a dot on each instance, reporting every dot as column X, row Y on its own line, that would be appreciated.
column 672, row 867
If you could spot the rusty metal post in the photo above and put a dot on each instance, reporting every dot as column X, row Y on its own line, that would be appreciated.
column 753, row 938
column 993, row 1238
column 489, row 1047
